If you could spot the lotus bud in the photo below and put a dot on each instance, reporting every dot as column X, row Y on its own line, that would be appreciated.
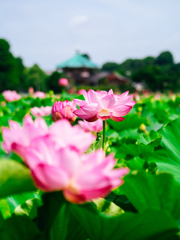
column 142, row 127
column 63, row 82
column 31, row 91
column 64, row 110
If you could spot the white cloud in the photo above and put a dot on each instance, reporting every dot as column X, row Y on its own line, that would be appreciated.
column 78, row 20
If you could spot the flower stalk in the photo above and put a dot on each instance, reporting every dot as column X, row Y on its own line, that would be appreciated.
column 104, row 135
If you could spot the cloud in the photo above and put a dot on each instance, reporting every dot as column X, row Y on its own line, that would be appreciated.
column 78, row 20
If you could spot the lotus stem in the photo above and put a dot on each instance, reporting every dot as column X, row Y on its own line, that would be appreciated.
column 104, row 135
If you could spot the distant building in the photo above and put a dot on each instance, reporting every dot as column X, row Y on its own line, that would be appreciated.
column 113, row 78
column 79, row 68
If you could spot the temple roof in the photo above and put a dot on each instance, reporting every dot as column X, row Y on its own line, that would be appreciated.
column 78, row 61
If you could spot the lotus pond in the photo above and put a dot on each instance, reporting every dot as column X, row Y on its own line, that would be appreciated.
column 144, row 205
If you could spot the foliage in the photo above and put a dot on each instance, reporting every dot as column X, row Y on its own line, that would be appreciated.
column 159, row 73
column 145, row 207
column 164, row 58
column 14, row 178
column 8, row 68
column 158, row 77
column 52, row 81
column 36, row 78
column 21, row 74
column 14, row 75
column 86, row 55
column 109, row 66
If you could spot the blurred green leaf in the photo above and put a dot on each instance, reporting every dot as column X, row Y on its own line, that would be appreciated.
column 108, row 208
column 28, row 208
column 159, row 192
column 19, row 227
column 18, row 199
column 165, row 151
column 58, row 221
column 126, row 226
column 132, row 121
column 171, row 140
column 14, row 178
column 146, row 138
column 4, row 208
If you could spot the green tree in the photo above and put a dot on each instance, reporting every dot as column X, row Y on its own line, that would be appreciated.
column 133, row 65
column 152, row 76
column 52, row 82
column 8, row 68
column 110, row 66
column 164, row 58
column 21, row 74
column 172, row 77
column 148, row 61
column 159, row 77
column 36, row 78
column 86, row 55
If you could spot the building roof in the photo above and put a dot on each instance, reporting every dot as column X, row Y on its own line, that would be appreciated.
column 78, row 61
column 110, row 76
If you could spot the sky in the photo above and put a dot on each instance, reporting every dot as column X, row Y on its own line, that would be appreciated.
column 48, row 32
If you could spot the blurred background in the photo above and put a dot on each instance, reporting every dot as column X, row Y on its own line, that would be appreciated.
column 100, row 44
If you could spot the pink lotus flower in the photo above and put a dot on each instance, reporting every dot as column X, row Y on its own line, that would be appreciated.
column 3, row 103
column 146, row 93
column 39, row 94
column 63, row 82
column 64, row 110
column 41, row 112
column 95, row 126
column 11, row 96
column 81, row 178
column 65, row 135
column 157, row 95
column 136, row 96
column 31, row 90
column 104, row 105
column 80, row 91
column 18, row 139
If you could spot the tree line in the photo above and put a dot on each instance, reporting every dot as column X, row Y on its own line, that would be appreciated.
column 157, row 73
column 15, row 76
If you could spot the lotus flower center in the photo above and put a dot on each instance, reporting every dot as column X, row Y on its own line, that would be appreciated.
column 71, row 186
column 104, row 113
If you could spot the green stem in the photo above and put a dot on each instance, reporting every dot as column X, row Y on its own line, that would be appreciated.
column 97, row 136
column 104, row 135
